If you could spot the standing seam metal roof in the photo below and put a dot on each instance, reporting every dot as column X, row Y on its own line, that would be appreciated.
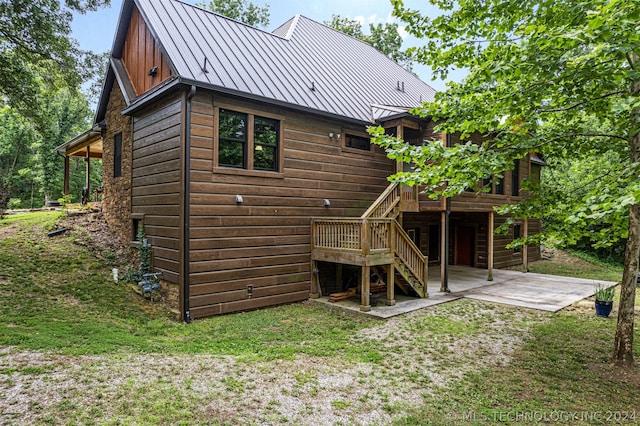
column 349, row 76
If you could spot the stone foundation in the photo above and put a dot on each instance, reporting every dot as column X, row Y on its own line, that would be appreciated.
column 116, row 193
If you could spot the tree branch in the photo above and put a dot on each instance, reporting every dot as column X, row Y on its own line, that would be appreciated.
column 577, row 104
column 599, row 135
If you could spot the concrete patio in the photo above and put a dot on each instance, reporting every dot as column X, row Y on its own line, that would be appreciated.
column 536, row 291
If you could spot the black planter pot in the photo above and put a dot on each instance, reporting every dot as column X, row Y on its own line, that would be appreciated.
column 603, row 309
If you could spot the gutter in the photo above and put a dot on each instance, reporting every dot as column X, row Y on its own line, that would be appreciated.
column 187, row 204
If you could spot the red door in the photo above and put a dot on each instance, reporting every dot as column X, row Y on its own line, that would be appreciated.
column 465, row 244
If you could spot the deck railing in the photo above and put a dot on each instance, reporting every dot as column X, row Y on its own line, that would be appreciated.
column 410, row 255
column 364, row 235
column 385, row 203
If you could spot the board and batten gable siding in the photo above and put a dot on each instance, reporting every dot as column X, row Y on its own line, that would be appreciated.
column 141, row 55
column 157, row 184
column 263, row 243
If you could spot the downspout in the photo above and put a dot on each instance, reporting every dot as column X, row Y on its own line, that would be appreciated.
column 445, row 281
column 187, row 203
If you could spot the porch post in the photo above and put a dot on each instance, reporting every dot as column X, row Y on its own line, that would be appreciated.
column 525, row 248
column 490, row 248
column 66, row 175
column 365, row 304
column 88, row 178
column 444, row 246
column 391, row 298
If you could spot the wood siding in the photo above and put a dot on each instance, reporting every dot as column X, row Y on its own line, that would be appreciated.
column 156, row 182
column 472, row 202
column 141, row 54
column 264, row 242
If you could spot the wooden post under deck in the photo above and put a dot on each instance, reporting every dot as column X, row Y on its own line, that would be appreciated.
column 391, row 298
column 365, row 304
column 525, row 248
column 490, row 248
column 443, row 255
column 315, row 284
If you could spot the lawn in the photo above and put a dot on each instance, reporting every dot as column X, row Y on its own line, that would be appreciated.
column 78, row 348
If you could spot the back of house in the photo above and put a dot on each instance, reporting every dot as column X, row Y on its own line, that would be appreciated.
column 222, row 142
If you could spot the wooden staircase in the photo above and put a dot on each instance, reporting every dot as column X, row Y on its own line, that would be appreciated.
column 375, row 239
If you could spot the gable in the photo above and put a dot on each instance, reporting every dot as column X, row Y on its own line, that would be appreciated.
column 141, row 56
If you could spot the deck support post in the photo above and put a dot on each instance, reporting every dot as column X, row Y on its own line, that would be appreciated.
column 444, row 247
column 490, row 248
column 315, row 282
column 365, row 289
column 391, row 298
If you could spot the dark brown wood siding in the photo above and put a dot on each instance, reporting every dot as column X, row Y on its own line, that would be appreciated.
column 264, row 242
column 141, row 54
column 156, row 186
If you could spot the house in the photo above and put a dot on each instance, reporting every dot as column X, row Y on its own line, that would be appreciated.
column 229, row 145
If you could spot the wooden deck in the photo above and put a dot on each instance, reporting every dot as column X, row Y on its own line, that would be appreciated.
column 374, row 239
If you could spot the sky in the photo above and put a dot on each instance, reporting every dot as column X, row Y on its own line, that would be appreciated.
column 95, row 30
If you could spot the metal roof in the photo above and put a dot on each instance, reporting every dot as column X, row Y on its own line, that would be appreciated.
column 302, row 63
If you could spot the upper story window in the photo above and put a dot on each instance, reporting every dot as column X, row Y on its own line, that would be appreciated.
column 357, row 142
column 232, row 139
column 248, row 141
column 515, row 179
column 117, row 155
column 499, row 185
column 496, row 183
column 265, row 143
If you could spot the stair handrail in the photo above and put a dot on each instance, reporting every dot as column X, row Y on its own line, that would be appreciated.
column 392, row 190
column 419, row 271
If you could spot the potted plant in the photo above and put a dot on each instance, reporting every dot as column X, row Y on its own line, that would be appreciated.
column 604, row 300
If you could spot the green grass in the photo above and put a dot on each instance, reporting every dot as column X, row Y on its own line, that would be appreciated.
column 584, row 266
column 57, row 297
column 562, row 368
column 58, row 300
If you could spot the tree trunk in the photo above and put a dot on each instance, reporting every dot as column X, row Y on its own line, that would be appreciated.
column 623, row 344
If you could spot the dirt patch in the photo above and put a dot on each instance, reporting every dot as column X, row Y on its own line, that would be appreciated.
column 90, row 229
column 617, row 374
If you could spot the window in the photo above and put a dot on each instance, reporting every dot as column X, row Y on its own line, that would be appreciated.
column 137, row 227
column 117, row 155
column 515, row 178
column 247, row 141
column 499, row 185
column 265, row 143
column 516, row 235
column 232, row 139
column 358, row 142
column 495, row 184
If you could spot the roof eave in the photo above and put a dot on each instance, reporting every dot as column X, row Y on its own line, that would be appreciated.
column 79, row 139
column 143, row 101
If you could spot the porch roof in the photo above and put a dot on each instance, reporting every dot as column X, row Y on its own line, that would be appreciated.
column 76, row 147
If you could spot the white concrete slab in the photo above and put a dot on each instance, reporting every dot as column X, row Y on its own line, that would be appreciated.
column 528, row 290
column 536, row 291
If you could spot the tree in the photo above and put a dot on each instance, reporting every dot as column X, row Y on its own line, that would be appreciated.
column 35, row 47
column 560, row 77
column 386, row 38
column 240, row 10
